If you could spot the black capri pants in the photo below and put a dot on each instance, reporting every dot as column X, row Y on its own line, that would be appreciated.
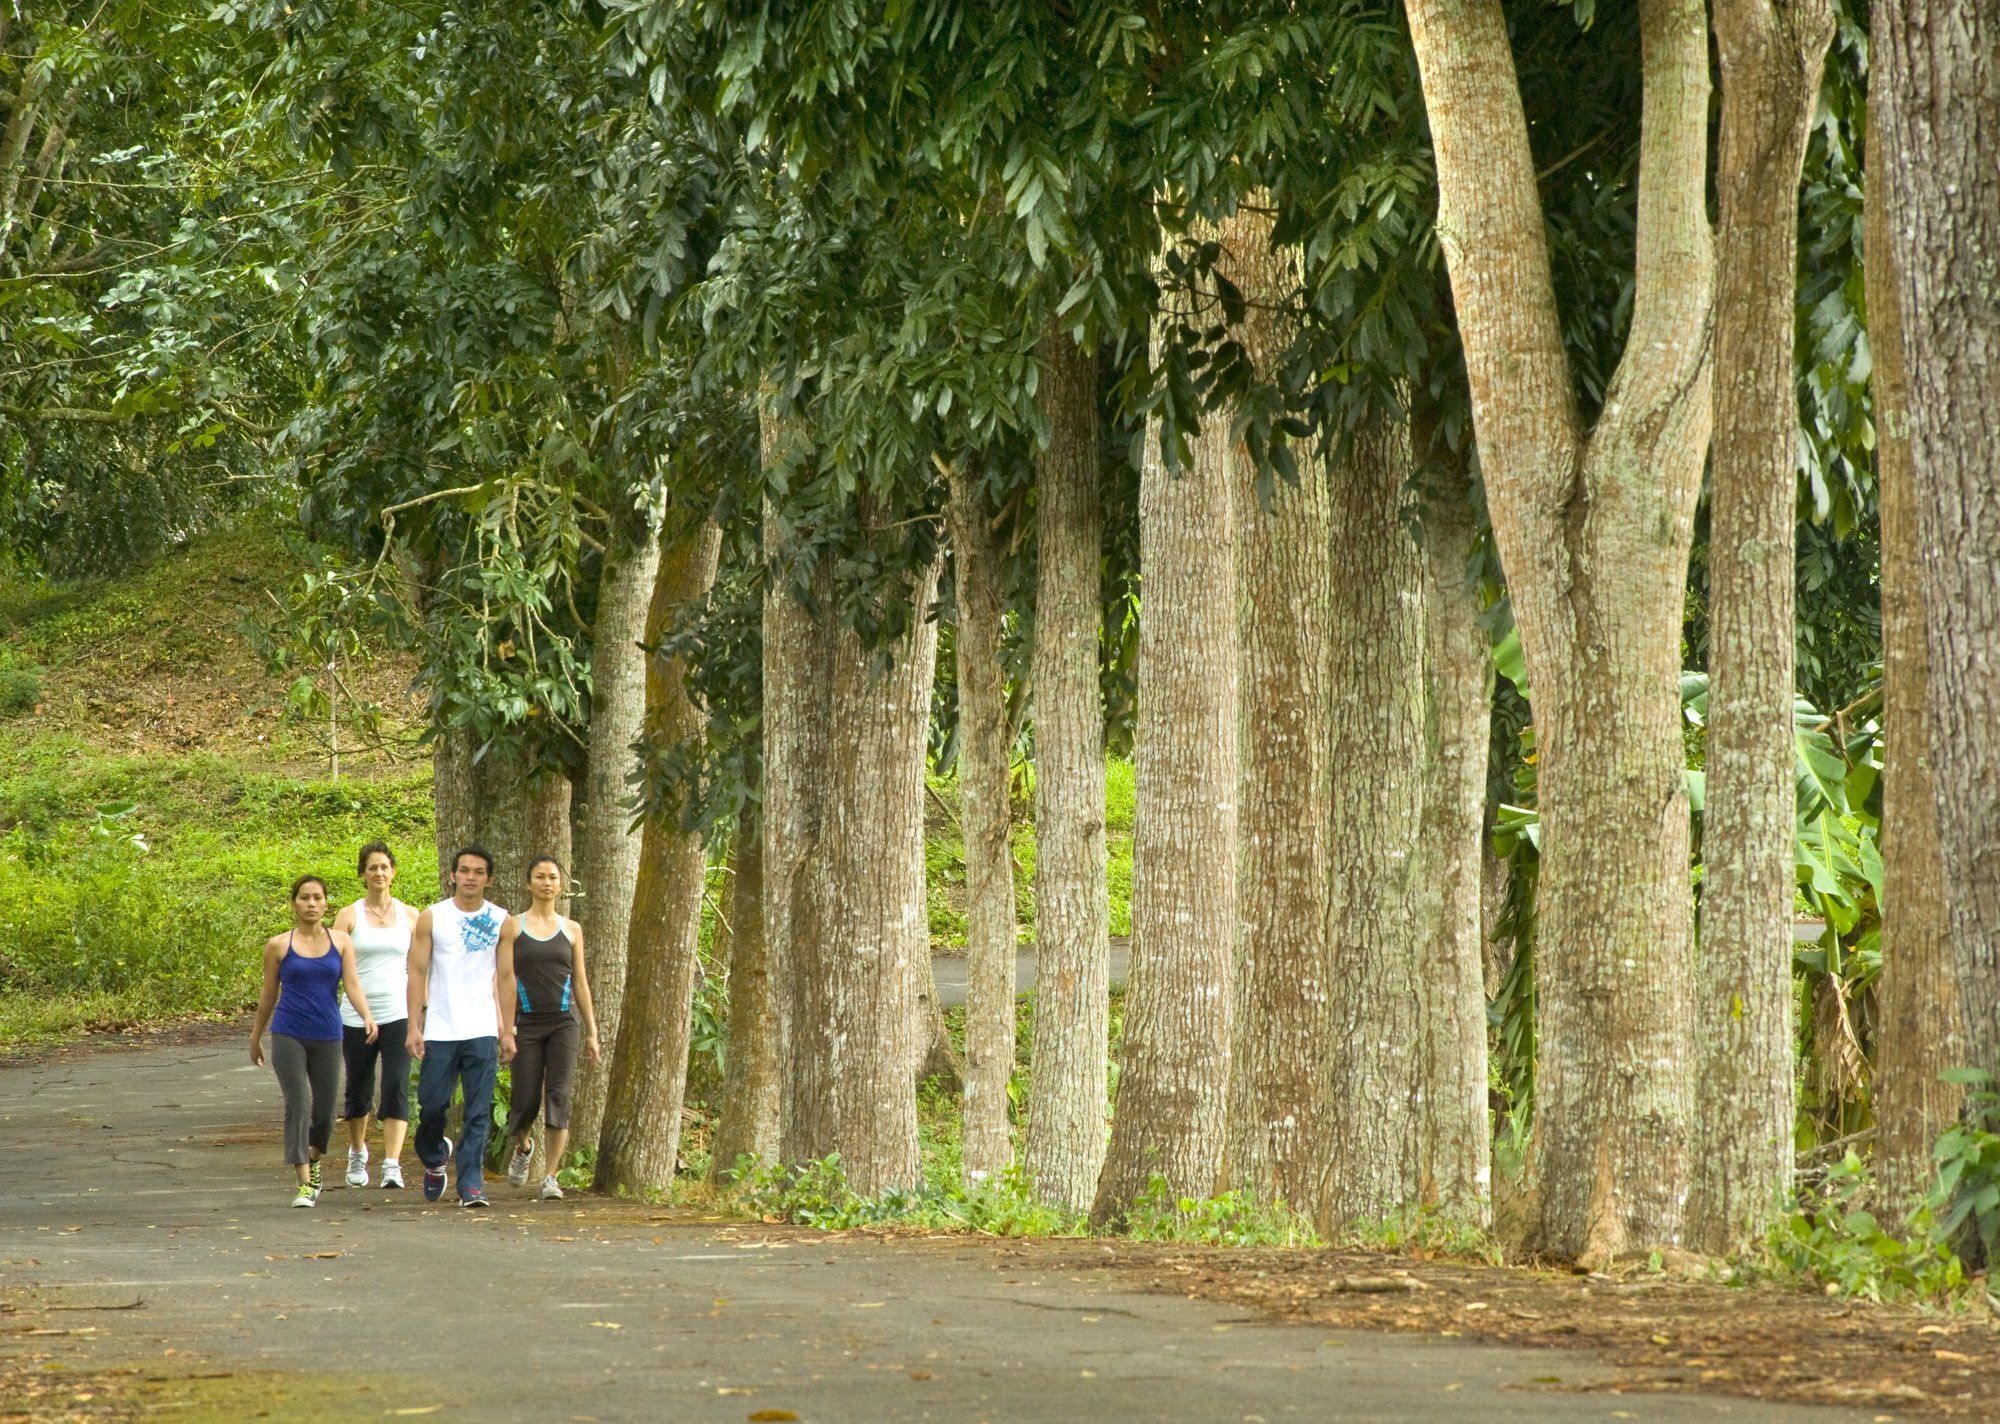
column 544, row 1072
column 392, row 1046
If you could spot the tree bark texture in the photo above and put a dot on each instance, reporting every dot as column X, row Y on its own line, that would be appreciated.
column 523, row 812
column 1063, row 1148
column 1456, row 1137
column 748, row 1120
column 1378, row 935
column 1594, row 531
column 1942, row 110
column 1174, row 1068
column 454, row 803
column 607, row 847
column 984, row 747
column 1283, row 587
column 641, row 1135
column 1918, row 1032
column 1771, row 52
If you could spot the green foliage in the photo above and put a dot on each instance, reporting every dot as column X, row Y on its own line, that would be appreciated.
column 1231, row 1219
column 1426, row 1231
column 1967, row 1195
column 20, row 686
column 1835, row 1241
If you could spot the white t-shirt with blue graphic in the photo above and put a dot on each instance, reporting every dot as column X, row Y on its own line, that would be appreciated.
column 463, row 945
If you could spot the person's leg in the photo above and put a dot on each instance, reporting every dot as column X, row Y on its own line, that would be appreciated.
column 323, row 1070
column 288, row 1061
column 394, row 1109
column 559, row 1051
column 435, row 1080
column 358, row 1055
column 479, row 1060
column 527, row 1084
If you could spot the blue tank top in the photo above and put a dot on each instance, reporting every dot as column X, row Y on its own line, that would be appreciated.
column 308, row 996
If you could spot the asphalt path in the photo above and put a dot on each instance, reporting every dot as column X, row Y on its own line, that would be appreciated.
column 949, row 971
column 144, row 1189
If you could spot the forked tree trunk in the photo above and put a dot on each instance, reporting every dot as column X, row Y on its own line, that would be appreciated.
column 1174, row 1068
column 607, row 847
column 1918, row 1032
column 1379, row 934
column 1771, row 57
column 641, row 1135
column 748, row 1125
column 1942, row 107
column 1594, row 533
column 1067, row 1106
column 1456, row 1137
column 983, row 754
column 1283, row 573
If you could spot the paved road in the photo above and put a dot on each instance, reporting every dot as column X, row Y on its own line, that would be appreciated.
column 949, row 971
column 153, row 1176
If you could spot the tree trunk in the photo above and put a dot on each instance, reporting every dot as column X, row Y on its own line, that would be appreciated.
column 1283, row 573
column 983, row 753
column 641, row 1136
column 1067, row 1104
column 607, row 851
column 1594, row 533
column 1918, row 1032
column 1942, row 106
column 455, row 806
column 1771, row 56
column 1174, row 1068
column 748, row 1125
column 1378, row 931
column 1456, row 1137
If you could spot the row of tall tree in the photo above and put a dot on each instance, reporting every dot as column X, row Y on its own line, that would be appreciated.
column 744, row 408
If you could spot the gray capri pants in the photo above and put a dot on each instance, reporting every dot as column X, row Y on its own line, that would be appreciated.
column 309, row 1075
column 544, row 1071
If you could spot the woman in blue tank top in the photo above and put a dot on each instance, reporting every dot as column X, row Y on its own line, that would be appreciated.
column 303, row 973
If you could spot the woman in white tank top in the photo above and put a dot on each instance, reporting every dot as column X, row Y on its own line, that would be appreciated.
column 379, row 925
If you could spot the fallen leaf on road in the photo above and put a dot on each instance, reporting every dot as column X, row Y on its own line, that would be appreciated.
column 733, row 1389
column 324, row 1255
column 771, row 1416
column 607, row 1325
column 868, row 1304
column 420, row 1409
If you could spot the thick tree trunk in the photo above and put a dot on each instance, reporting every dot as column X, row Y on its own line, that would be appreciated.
column 523, row 812
column 1942, row 107
column 1283, row 588
column 748, row 1125
column 1174, row 1068
column 1067, row 1105
column 1594, row 533
column 1456, row 1138
column 1771, row 56
column 455, row 807
column 607, row 849
column 1379, row 934
column 641, row 1136
column 1918, row 1031
column 983, row 753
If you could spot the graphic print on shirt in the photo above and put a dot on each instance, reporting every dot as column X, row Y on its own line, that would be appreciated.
column 481, row 932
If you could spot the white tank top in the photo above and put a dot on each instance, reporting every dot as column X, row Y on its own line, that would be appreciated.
column 463, row 944
column 382, row 962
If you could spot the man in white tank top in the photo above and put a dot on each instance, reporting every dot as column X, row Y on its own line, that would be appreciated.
column 460, row 974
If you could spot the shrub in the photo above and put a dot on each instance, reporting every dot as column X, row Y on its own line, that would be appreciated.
column 20, row 689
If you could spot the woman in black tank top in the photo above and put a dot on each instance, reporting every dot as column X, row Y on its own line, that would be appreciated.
column 551, row 993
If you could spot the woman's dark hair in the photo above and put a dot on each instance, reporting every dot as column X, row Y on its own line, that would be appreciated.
column 463, row 851
column 545, row 860
column 305, row 880
column 374, row 848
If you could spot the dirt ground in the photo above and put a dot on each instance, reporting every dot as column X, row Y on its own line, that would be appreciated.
column 1658, row 1332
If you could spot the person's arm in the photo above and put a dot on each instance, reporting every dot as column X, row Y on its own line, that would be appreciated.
column 420, row 983
column 343, row 923
column 350, row 980
column 584, row 1006
column 503, row 985
column 267, row 997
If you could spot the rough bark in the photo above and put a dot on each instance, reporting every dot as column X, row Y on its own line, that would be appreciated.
column 523, row 811
column 641, row 1135
column 1942, row 107
column 748, row 1124
column 984, row 747
column 1917, row 1031
column 1594, row 531
column 1283, row 573
column 1771, row 52
column 454, row 803
column 1456, row 1138
column 1064, row 1144
column 1174, row 1068
column 607, row 845
column 1378, row 934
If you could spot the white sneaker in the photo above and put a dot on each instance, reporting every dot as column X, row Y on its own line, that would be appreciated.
column 551, row 1189
column 517, row 1165
column 357, row 1167
column 392, row 1173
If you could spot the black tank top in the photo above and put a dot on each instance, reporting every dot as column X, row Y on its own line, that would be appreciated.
column 542, row 972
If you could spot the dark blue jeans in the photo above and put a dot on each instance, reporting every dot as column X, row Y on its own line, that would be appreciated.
column 475, row 1062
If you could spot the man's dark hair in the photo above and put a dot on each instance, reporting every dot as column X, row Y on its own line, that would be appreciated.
column 371, row 849
column 463, row 851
